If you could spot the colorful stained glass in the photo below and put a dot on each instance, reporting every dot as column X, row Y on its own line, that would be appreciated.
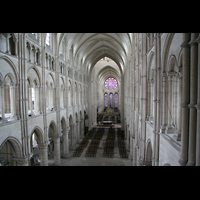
column 111, row 100
column 111, row 84
column 116, row 100
column 106, row 100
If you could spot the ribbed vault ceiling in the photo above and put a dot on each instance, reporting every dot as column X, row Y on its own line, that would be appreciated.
column 108, row 72
column 89, row 48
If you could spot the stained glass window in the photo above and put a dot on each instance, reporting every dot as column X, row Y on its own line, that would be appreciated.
column 111, row 84
column 106, row 100
column 116, row 100
column 111, row 100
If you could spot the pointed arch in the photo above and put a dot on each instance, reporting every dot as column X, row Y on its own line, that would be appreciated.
column 149, row 153
column 1, row 78
column 37, row 72
column 151, row 57
column 52, row 124
column 172, row 63
column 12, row 65
column 63, row 124
column 12, row 78
column 38, row 131
column 16, row 145
column 165, row 52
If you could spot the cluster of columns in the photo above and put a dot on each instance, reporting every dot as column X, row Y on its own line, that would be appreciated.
column 8, row 50
column 8, row 100
column 78, row 129
column 33, row 54
column 49, row 62
column 44, row 148
column 187, row 116
column 190, row 143
column 76, row 133
column 136, row 134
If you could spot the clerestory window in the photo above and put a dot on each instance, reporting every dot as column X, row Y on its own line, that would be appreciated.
column 48, row 39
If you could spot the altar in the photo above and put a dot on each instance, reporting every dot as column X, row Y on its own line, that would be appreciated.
column 107, row 122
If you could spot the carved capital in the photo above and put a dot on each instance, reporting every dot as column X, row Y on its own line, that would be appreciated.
column 185, row 44
column 191, row 106
column 193, row 42
column 197, row 106
column 183, row 163
column 198, row 39
column 184, row 105
column 42, row 145
column 164, row 76
column 171, row 74
column 179, row 75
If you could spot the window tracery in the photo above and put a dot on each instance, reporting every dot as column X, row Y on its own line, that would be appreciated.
column 111, row 84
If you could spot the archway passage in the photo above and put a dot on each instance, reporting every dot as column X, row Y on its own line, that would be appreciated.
column 36, row 139
column 9, row 150
column 106, row 92
column 54, row 145
column 149, row 154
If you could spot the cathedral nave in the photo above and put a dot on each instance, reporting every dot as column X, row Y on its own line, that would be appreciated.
column 110, row 98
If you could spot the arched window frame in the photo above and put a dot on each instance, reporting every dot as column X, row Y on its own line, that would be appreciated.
column 48, row 39
column 106, row 100
column 116, row 100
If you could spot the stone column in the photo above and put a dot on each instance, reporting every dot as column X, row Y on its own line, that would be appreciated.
column 44, row 90
column 89, row 103
column 122, row 104
column 149, row 98
column 57, row 149
column 125, row 131
column 78, row 132
column 154, row 116
column 177, row 135
column 12, row 102
column 128, row 140
column 131, row 148
column 73, row 136
column 198, row 111
column 158, row 123
column 66, row 143
column 134, row 153
column 137, row 156
column 193, row 100
column 43, row 154
column 136, row 129
column 152, row 105
column 23, row 94
column 185, row 99
column 143, row 99
column 170, row 127
column 164, row 121
column 2, row 102
column 82, row 128
column 35, row 61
